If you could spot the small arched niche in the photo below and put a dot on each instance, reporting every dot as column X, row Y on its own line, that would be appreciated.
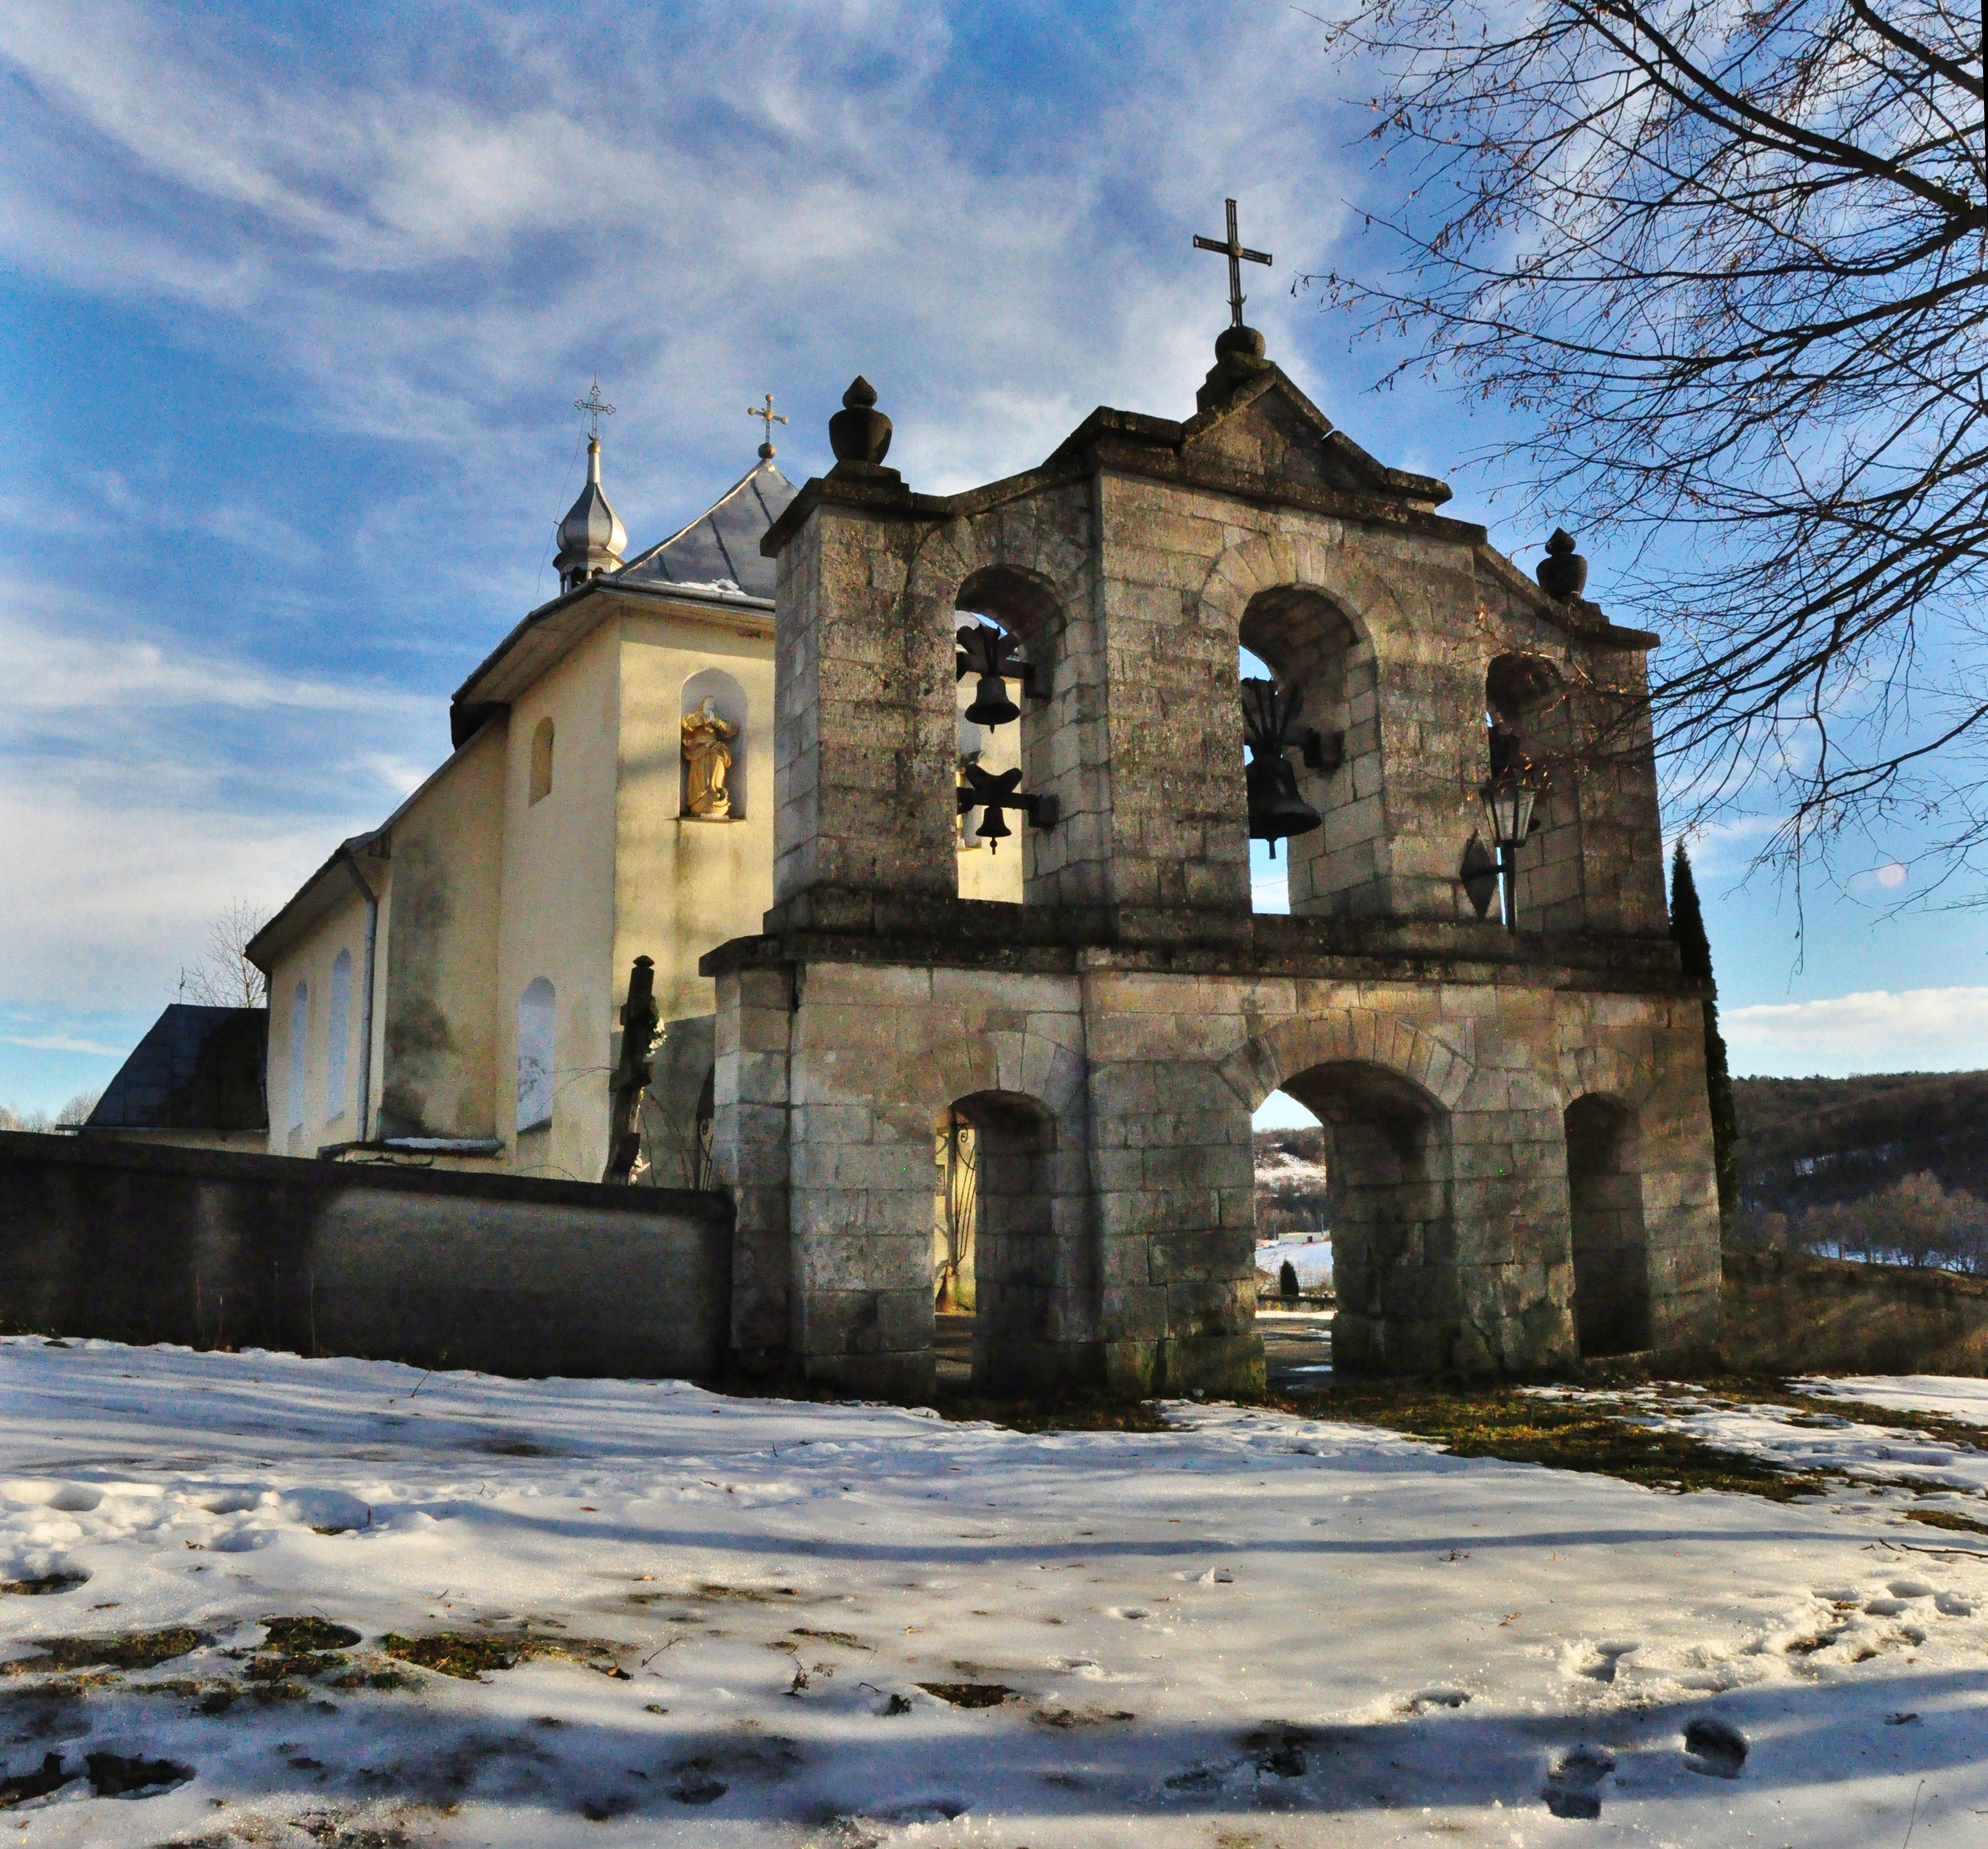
column 998, row 860
column 300, row 1030
column 1604, row 1186
column 1320, row 660
column 338, row 1033
column 713, row 726
column 1528, row 732
column 537, row 1023
column 540, row 784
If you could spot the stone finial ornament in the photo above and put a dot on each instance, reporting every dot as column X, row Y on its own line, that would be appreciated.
column 859, row 433
column 1563, row 573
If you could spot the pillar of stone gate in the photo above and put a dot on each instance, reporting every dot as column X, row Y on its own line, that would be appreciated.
column 749, row 1157
column 866, row 729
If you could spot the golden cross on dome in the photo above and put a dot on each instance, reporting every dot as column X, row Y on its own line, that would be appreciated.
column 769, row 417
column 1238, row 254
column 596, row 407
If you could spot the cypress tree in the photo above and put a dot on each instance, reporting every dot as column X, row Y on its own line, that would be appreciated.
column 1695, row 950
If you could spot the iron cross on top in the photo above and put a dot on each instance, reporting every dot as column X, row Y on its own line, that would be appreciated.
column 1238, row 254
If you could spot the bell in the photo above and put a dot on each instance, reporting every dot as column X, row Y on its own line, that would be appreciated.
column 993, row 827
column 1275, row 808
column 991, row 704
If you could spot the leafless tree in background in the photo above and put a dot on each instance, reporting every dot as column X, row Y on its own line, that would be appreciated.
column 224, row 977
column 1729, row 266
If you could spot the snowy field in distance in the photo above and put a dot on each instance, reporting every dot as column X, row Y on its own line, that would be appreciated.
column 1310, row 1257
column 1255, row 1629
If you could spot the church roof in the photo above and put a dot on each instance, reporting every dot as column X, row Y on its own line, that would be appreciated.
column 720, row 546
column 196, row 1069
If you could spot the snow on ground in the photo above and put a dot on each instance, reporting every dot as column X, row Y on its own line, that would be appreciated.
column 1951, row 1397
column 1310, row 1255
column 1255, row 1629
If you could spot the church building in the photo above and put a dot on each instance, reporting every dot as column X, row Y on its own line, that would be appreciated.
column 881, row 860
column 446, row 988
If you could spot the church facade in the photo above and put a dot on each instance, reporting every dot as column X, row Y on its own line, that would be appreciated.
column 1520, row 1146
column 446, row 987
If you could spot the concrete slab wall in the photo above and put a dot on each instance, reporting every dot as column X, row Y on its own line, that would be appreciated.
column 149, row 1244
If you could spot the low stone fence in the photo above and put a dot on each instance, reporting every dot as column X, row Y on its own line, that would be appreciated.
column 1789, row 1313
column 145, row 1242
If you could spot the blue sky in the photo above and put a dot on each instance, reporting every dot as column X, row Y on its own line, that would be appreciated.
column 296, row 301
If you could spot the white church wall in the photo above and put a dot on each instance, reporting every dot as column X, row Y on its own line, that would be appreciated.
column 436, row 1007
column 683, row 886
column 556, row 912
column 303, row 1115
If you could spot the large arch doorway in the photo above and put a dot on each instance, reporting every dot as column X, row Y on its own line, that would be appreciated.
column 994, row 1241
column 1387, row 1163
column 1293, row 1216
column 1604, row 1186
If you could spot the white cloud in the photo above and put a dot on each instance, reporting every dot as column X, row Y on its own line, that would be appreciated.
column 58, row 1043
column 1878, row 1030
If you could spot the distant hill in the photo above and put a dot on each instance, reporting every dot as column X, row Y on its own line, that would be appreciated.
column 1813, row 1142
column 1290, row 1182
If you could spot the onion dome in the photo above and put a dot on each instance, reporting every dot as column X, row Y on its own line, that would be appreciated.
column 591, row 537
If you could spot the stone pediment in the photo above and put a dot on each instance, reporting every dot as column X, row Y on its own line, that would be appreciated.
column 1266, row 427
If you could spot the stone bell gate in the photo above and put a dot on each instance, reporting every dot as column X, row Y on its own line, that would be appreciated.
column 1500, row 1043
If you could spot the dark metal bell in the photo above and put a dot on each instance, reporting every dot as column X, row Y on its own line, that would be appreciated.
column 991, row 704
column 1276, row 809
column 993, row 827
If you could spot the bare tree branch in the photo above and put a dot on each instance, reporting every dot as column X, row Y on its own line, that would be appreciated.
column 1730, row 264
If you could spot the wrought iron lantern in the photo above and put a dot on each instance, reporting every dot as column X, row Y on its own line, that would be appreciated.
column 1510, row 799
column 1277, row 808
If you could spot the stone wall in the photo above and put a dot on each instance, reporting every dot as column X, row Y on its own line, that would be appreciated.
column 1127, row 1089
column 142, row 1243
column 1788, row 1312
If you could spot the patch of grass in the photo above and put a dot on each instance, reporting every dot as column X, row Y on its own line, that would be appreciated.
column 45, row 1584
column 470, row 1656
column 1597, row 1434
column 293, row 1636
column 1946, row 1518
column 969, row 1695
column 1054, row 1415
column 274, row 1669
column 132, row 1650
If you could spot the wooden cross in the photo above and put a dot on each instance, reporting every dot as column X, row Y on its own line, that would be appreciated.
column 596, row 407
column 769, row 418
column 1233, row 248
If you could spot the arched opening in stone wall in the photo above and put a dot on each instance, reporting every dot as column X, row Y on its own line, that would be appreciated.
column 1323, row 671
column 1604, row 1186
column 1386, row 1158
column 1528, row 734
column 1293, row 1215
column 993, row 1238
column 1007, row 624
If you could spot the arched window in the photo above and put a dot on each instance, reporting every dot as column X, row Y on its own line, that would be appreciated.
column 536, row 1011
column 1008, row 632
column 1526, row 739
column 338, row 1027
column 299, row 1026
column 711, row 717
column 541, row 760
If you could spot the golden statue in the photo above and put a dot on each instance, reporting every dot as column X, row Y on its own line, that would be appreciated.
column 706, row 759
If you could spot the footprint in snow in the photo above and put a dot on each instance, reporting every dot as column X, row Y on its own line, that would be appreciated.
column 1714, row 1747
column 1126, row 1611
column 1572, row 1789
column 1609, row 1659
column 1424, row 1699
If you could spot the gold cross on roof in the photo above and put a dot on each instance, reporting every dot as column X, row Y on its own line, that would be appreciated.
column 769, row 418
column 1233, row 248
